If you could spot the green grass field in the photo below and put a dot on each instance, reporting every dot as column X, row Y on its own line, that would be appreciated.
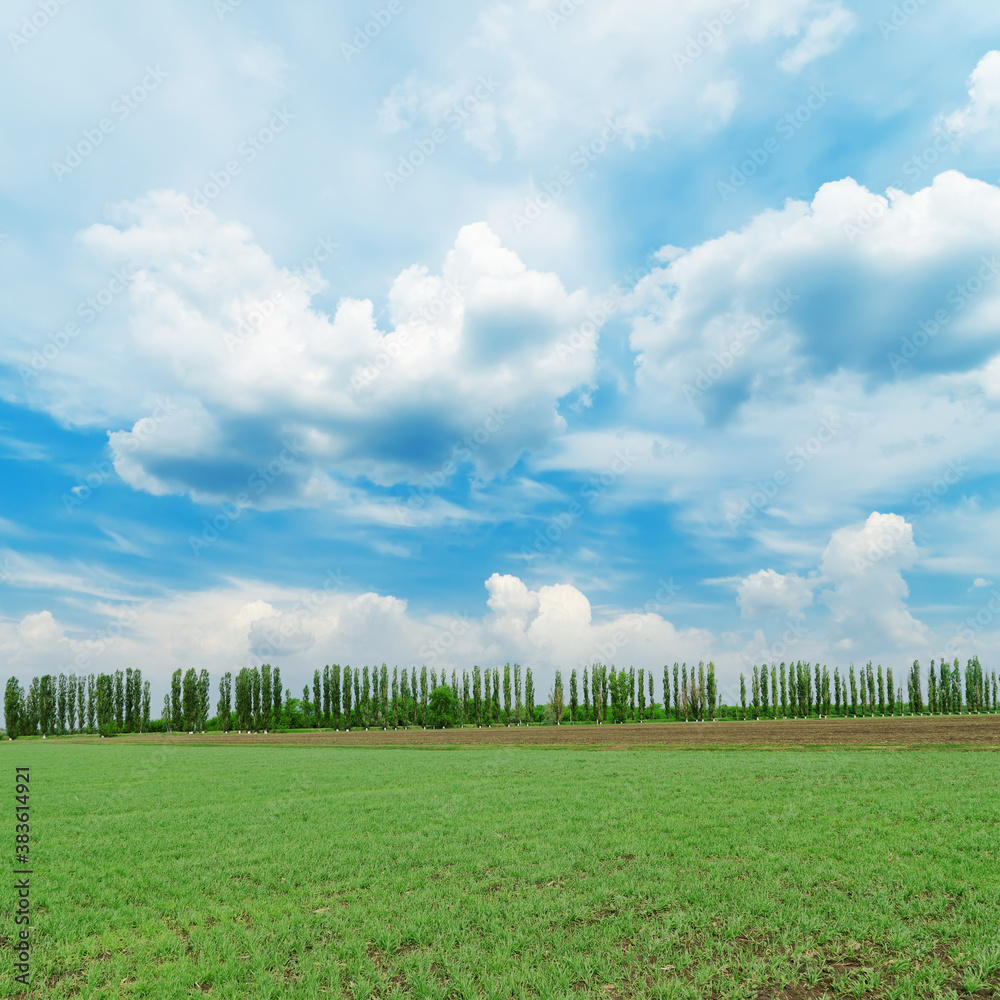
column 166, row 871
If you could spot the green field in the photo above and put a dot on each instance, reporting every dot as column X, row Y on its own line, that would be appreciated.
column 166, row 871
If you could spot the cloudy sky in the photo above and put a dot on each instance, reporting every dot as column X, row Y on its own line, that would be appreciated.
column 543, row 330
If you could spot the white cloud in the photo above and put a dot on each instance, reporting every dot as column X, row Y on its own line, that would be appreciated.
column 466, row 375
column 768, row 592
column 867, row 594
column 851, row 281
column 982, row 113
column 823, row 36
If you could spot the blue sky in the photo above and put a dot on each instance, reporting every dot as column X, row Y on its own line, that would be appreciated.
column 549, row 332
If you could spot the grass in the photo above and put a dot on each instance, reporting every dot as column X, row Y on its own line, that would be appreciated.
column 165, row 871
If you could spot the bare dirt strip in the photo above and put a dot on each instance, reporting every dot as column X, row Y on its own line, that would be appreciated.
column 965, row 731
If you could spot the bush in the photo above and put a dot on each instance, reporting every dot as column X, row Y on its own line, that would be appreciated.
column 443, row 708
column 108, row 730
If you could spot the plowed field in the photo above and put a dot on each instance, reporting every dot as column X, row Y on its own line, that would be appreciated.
column 981, row 731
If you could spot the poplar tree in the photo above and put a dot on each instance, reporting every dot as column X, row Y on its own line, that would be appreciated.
column 932, row 691
column 712, row 689
column 774, row 689
column 384, row 693
column 517, row 692
column 743, row 695
column 836, row 690
column 145, row 706
column 81, row 703
column 631, row 691
column 917, row 696
column 477, row 696
column 265, row 720
column 684, row 688
column 556, row 698
column 413, row 693
column 506, row 693
column 358, row 717
column 496, row 695
column 70, row 701
column 317, row 699
column 204, row 696
column 487, row 697
column 105, row 701
column 335, row 695
column 854, row 692
column 763, row 688
column 890, row 691
column 166, row 709
column 176, row 705
column 377, row 698
column 641, row 694
column 276, row 704
column 666, row 692
column 404, row 697
column 586, row 696
column 137, row 690
column 755, row 694
column 223, row 709
column 573, row 700
column 119, row 706
column 819, row 690
column 255, row 698
column 395, row 697
column 701, row 691
column 12, row 708
column 190, row 703
column 784, row 693
column 423, row 696
column 347, row 699
column 529, row 696
column 677, row 704
column 652, row 704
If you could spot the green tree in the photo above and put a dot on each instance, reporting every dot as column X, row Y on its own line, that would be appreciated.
column 255, row 699
column 556, row 699
column 358, row 717
column 81, row 703
column 642, row 694
column 71, row 701
column 276, row 687
column 46, row 705
column 176, row 705
column 145, row 707
column 12, row 697
column 496, row 695
column 318, row 698
column 347, row 699
column 204, row 694
column 61, row 705
column 677, row 703
column 404, row 697
column 666, row 691
column 854, row 692
column 119, row 700
column 712, row 691
column 890, row 691
column 756, row 693
column 529, row 697
column 266, row 697
column 743, row 695
column 190, row 698
column 129, row 704
column 224, row 708
column 335, row 694
column 443, row 707
column 326, row 696
column 395, row 697
column 517, row 692
column 424, row 695
column 384, row 694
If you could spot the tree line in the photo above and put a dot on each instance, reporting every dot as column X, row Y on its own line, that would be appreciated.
column 811, row 690
column 346, row 698
column 63, row 705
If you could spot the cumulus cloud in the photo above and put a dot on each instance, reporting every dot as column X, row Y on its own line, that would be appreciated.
column 249, row 622
column 852, row 281
column 277, row 403
column 867, row 592
column 982, row 113
column 768, row 592
column 823, row 36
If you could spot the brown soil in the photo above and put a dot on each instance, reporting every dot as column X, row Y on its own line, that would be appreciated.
column 979, row 731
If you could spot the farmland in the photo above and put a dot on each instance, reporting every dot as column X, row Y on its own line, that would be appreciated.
column 179, row 868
